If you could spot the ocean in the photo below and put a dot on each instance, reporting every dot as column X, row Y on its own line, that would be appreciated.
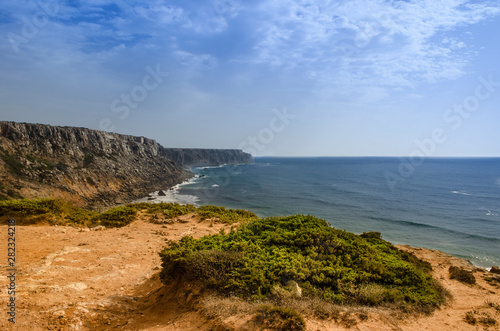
column 449, row 204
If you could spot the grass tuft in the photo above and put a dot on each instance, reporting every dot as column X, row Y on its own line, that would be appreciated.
column 280, row 318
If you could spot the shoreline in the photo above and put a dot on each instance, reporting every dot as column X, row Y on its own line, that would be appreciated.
column 171, row 196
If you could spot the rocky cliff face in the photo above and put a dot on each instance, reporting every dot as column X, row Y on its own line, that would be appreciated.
column 93, row 168
column 189, row 157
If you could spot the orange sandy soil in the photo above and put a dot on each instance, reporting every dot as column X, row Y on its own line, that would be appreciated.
column 79, row 279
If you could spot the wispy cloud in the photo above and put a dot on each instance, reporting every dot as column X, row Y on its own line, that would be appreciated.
column 377, row 42
column 371, row 41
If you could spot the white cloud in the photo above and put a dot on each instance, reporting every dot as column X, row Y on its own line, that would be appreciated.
column 160, row 13
column 386, row 43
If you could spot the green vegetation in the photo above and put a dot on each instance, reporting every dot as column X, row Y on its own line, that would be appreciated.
column 57, row 211
column 170, row 210
column 117, row 217
column 295, row 265
column 53, row 211
column 224, row 215
column 13, row 194
column 88, row 160
column 165, row 209
column 12, row 163
column 337, row 266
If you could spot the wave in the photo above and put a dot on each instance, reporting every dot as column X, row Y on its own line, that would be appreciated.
column 488, row 212
column 461, row 193
column 172, row 195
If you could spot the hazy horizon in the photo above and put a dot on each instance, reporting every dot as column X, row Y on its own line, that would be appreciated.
column 351, row 78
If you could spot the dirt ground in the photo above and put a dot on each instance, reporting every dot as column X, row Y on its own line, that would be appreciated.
column 108, row 279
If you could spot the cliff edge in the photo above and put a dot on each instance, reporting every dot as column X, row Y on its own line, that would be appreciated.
column 93, row 168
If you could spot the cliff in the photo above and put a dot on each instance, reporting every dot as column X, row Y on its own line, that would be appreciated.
column 93, row 168
column 190, row 157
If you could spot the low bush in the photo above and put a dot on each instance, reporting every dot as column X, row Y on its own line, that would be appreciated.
column 12, row 162
column 280, row 318
column 116, row 217
column 474, row 318
column 213, row 266
column 224, row 215
column 336, row 265
column 52, row 211
column 57, row 211
column 167, row 209
column 462, row 275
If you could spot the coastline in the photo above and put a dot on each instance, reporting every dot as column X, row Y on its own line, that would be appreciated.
column 351, row 194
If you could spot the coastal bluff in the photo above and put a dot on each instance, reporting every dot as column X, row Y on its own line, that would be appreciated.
column 91, row 168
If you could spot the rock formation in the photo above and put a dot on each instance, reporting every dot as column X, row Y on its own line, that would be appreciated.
column 93, row 168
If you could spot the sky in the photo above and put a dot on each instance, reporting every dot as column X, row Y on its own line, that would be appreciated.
column 274, row 78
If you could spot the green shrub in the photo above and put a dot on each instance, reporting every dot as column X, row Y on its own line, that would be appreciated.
column 57, row 211
column 14, row 194
column 326, row 262
column 117, row 217
column 167, row 209
column 61, row 166
column 224, row 215
column 53, row 211
column 88, row 160
column 462, row 275
column 12, row 163
column 212, row 266
column 372, row 235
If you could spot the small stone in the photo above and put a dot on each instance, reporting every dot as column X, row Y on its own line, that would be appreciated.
column 294, row 288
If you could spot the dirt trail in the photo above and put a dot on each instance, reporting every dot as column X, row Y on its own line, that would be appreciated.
column 75, row 279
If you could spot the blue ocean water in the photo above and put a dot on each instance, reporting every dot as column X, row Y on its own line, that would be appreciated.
column 452, row 205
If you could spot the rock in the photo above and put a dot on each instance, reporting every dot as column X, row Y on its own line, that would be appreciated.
column 161, row 193
column 77, row 286
column 495, row 270
column 99, row 228
column 151, row 198
column 86, row 163
column 279, row 292
column 294, row 288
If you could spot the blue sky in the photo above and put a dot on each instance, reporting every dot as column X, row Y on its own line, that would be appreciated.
column 284, row 78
